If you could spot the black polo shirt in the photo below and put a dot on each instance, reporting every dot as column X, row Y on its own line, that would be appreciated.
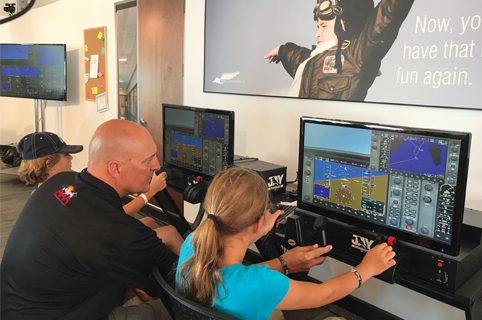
column 73, row 250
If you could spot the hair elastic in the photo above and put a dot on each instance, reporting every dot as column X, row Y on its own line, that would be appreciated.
column 213, row 217
column 215, row 220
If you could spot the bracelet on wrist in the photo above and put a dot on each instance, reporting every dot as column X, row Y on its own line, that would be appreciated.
column 358, row 276
column 143, row 196
column 284, row 265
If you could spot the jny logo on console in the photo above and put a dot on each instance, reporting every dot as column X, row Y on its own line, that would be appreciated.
column 361, row 243
column 275, row 181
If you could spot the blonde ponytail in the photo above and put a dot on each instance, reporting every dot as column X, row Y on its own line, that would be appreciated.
column 236, row 199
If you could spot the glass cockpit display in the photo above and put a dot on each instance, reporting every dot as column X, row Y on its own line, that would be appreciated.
column 200, row 140
column 406, row 180
column 35, row 71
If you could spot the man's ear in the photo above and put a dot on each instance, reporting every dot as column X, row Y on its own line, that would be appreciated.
column 114, row 168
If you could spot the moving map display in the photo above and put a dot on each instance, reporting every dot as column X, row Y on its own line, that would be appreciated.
column 213, row 127
column 418, row 155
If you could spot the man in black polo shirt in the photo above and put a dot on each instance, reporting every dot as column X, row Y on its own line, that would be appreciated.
column 73, row 249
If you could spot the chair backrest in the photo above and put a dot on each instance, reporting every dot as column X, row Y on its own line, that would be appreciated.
column 181, row 308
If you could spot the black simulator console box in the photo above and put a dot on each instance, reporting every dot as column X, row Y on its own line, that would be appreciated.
column 275, row 175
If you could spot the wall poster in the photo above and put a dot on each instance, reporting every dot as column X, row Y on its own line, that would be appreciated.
column 426, row 53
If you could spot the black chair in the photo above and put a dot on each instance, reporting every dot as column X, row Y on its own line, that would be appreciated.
column 181, row 308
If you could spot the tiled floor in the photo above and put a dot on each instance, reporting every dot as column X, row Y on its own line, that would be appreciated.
column 13, row 195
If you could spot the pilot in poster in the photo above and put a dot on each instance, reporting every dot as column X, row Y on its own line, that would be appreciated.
column 388, row 51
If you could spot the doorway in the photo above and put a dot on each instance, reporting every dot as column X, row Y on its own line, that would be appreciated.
column 126, row 32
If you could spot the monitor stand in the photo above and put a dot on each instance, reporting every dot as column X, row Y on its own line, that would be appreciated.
column 40, row 105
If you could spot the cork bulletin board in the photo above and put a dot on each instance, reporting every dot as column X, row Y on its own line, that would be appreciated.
column 95, row 62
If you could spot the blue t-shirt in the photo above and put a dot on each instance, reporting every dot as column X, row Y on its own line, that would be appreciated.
column 251, row 292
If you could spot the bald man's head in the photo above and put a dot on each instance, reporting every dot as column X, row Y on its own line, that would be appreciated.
column 116, row 140
column 118, row 150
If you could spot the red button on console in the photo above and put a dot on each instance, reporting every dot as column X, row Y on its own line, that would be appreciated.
column 391, row 240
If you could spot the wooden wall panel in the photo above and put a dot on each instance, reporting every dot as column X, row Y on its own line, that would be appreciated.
column 160, row 54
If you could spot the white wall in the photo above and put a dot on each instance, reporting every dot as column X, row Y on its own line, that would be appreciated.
column 267, row 128
column 5, row 32
column 76, row 119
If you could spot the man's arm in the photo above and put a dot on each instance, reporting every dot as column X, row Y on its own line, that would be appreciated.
column 133, row 263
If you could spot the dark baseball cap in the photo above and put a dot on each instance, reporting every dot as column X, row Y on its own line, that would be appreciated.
column 41, row 144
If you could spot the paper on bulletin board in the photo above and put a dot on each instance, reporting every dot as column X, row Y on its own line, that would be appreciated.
column 101, row 100
column 94, row 65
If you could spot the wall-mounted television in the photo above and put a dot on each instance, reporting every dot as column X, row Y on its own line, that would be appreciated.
column 197, row 141
column 35, row 71
column 396, row 181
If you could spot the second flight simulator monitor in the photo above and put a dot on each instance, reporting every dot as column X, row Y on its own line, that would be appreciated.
column 199, row 141
column 35, row 71
column 403, row 182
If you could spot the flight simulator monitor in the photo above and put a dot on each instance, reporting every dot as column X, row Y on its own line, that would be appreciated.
column 197, row 140
column 35, row 71
column 397, row 181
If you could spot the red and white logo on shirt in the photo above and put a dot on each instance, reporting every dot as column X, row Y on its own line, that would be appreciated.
column 65, row 194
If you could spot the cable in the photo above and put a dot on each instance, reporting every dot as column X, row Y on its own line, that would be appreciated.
column 288, row 182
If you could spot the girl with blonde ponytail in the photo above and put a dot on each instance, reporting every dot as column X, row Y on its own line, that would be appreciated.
column 236, row 199
column 210, row 269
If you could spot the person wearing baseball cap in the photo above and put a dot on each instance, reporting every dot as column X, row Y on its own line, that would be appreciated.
column 44, row 154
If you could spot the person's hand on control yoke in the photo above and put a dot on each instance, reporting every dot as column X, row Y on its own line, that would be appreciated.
column 302, row 259
column 158, row 182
